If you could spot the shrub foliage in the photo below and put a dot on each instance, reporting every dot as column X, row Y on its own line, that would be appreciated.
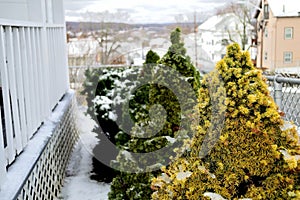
column 138, row 185
column 250, row 153
column 103, row 89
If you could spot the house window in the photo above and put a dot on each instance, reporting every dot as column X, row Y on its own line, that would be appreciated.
column 266, row 11
column 266, row 56
column 288, row 33
column 266, row 33
column 224, row 42
column 288, row 57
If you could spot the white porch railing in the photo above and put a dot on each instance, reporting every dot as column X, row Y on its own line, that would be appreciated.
column 34, row 76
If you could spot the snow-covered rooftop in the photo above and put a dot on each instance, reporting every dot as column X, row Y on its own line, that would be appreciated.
column 210, row 23
column 285, row 8
column 219, row 22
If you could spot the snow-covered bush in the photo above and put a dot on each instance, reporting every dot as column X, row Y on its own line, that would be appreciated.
column 106, row 90
column 157, row 127
column 247, row 154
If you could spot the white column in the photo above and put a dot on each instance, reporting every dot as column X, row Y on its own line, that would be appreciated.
column 58, row 11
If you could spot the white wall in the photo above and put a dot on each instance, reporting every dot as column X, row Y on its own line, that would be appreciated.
column 43, row 11
column 14, row 9
column 212, row 33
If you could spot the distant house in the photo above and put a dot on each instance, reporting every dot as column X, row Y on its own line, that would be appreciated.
column 138, row 56
column 204, row 64
column 83, row 52
column 278, row 34
column 218, row 31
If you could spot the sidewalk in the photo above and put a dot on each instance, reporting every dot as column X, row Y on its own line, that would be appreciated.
column 78, row 184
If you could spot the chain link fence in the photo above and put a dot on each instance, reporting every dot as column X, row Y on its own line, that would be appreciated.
column 77, row 78
column 285, row 89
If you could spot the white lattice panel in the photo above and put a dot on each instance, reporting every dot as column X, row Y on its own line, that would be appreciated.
column 46, row 178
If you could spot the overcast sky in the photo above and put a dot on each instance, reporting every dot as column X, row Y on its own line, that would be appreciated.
column 141, row 11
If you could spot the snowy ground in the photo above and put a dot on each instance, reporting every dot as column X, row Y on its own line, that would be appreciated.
column 78, row 185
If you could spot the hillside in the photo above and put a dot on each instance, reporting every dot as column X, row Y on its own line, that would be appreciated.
column 92, row 26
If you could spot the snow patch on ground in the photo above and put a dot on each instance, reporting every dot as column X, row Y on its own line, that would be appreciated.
column 78, row 185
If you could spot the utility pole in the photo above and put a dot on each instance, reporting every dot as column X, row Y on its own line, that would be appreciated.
column 195, row 32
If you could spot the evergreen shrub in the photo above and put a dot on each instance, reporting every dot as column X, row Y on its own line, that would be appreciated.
column 102, row 89
column 242, row 149
column 169, row 113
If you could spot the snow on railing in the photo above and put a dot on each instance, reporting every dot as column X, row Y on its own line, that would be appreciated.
column 34, row 76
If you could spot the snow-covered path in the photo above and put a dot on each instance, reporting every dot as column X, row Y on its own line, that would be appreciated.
column 78, row 185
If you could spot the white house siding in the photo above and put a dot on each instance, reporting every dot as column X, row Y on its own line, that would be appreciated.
column 17, row 7
column 214, row 30
column 33, row 72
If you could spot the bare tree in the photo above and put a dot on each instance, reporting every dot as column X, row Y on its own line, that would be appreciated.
column 108, row 44
column 107, row 32
column 244, row 15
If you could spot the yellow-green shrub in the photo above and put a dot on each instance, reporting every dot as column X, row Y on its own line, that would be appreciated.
column 253, row 154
